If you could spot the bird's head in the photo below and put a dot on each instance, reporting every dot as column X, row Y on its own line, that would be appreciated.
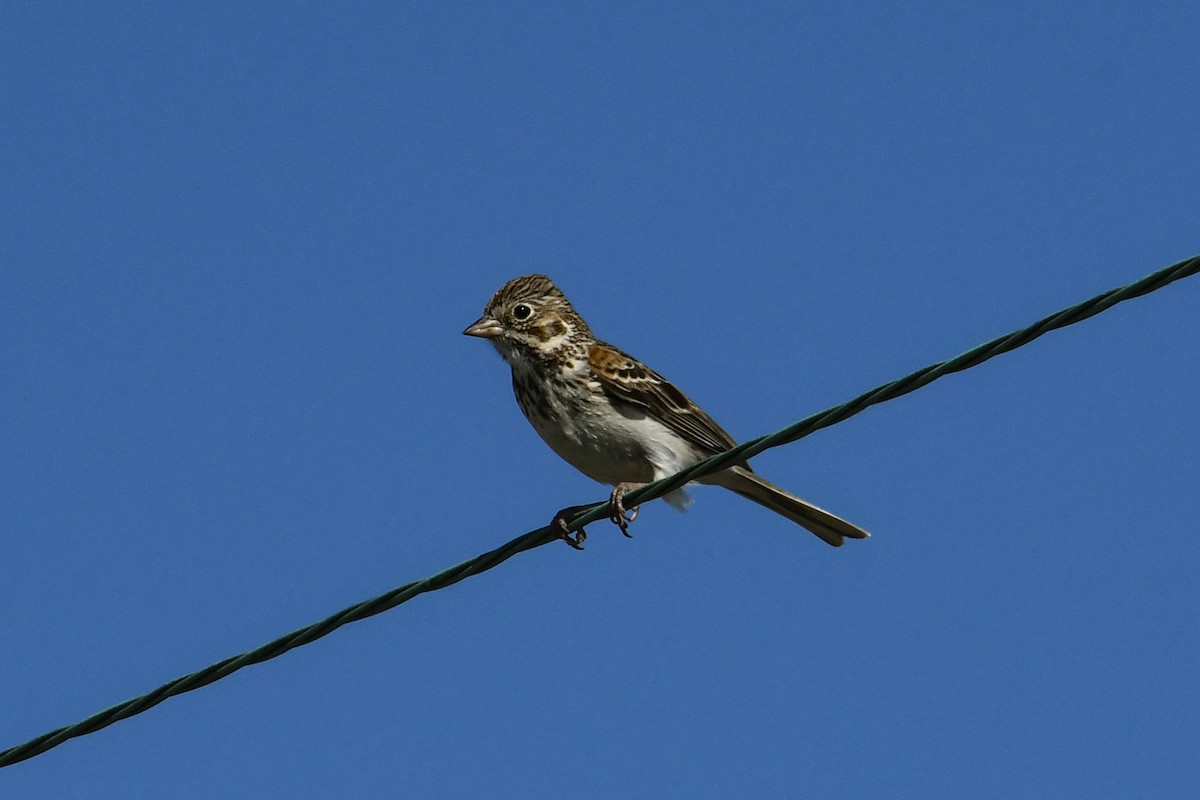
column 530, row 318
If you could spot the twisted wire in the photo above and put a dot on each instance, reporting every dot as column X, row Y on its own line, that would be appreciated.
column 544, row 535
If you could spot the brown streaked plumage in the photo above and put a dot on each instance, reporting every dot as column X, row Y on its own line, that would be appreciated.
column 612, row 417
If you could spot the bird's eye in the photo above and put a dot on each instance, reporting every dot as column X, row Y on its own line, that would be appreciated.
column 522, row 312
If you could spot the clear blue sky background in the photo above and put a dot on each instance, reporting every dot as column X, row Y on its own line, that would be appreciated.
column 239, row 246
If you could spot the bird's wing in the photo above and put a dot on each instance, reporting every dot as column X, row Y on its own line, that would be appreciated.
column 626, row 378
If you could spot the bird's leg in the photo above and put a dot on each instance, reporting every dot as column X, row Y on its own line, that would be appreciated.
column 559, row 523
column 616, row 508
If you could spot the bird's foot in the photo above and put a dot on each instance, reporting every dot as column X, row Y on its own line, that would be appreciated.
column 559, row 524
column 620, row 516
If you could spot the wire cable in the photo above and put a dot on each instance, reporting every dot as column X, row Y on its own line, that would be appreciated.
column 544, row 535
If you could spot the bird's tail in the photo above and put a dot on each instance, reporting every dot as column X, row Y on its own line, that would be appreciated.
column 831, row 528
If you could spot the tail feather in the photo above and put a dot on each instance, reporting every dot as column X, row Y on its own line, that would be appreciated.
column 833, row 529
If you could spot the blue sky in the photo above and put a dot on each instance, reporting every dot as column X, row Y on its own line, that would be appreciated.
column 238, row 249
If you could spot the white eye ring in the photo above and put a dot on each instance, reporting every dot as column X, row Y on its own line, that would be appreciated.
column 522, row 312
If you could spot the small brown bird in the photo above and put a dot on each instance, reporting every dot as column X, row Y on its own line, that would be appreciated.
column 612, row 417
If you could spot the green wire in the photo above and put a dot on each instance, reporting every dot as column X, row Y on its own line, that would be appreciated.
column 541, row 536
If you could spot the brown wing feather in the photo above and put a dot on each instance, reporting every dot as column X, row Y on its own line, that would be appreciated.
column 624, row 377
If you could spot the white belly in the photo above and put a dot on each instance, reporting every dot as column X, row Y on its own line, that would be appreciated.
column 608, row 444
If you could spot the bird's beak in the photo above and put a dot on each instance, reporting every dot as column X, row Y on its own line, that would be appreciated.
column 485, row 328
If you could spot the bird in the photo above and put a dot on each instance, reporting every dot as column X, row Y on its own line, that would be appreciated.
column 612, row 417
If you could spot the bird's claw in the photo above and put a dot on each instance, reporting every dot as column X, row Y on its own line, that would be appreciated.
column 559, row 523
column 621, row 516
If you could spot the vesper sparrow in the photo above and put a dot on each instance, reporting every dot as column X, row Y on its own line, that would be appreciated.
column 612, row 417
